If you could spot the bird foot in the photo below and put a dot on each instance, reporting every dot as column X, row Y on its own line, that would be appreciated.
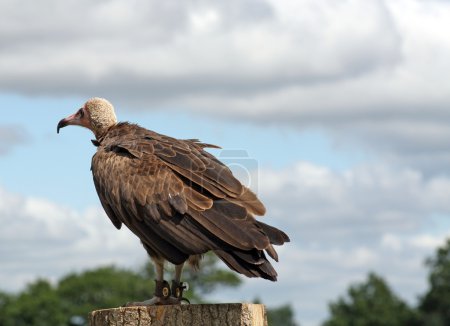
column 155, row 301
column 164, row 295
column 177, row 291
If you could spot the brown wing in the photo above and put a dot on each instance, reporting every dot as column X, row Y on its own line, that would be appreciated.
column 180, row 200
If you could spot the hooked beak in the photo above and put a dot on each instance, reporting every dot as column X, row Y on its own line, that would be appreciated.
column 76, row 119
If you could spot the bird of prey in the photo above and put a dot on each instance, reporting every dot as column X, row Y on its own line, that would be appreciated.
column 179, row 199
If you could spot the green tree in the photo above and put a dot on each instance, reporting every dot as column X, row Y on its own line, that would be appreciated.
column 5, row 304
column 100, row 288
column 37, row 305
column 76, row 294
column 370, row 303
column 435, row 304
column 279, row 316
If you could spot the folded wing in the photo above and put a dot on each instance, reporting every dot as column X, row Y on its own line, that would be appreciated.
column 181, row 201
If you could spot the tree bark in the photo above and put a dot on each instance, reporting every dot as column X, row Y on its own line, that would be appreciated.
column 229, row 314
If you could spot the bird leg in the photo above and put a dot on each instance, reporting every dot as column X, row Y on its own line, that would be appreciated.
column 162, row 289
column 177, row 286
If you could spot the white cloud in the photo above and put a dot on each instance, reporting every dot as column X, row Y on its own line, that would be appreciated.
column 12, row 136
column 342, row 224
column 369, row 72
column 391, row 242
column 426, row 241
column 41, row 238
column 194, row 48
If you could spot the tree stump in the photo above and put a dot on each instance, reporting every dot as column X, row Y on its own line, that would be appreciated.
column 229, row 314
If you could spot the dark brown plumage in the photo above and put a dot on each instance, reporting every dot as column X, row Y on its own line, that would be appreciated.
column 178, row 199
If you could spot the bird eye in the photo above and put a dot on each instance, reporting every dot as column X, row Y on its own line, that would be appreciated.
column 81, row 113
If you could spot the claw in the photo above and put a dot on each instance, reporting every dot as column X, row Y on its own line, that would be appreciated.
column 177, row 291
column 164, row 295
column 155, row 301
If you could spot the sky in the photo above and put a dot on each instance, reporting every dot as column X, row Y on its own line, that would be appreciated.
column 338, row 110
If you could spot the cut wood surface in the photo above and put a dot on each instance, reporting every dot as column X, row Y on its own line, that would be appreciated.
column 229, row 314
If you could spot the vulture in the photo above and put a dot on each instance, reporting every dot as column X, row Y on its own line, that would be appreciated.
column 177, row 198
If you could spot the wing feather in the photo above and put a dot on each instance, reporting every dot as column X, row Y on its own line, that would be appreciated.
column 181, row 201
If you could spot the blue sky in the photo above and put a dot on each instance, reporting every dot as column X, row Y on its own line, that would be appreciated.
column 347, row 119
column 57, row 166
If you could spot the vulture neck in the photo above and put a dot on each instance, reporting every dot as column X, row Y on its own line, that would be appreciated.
column 101, row 132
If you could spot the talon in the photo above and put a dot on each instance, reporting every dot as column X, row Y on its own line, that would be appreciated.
column 162, row 296
column 186, row 300
column 162, row 289
column 177, row 291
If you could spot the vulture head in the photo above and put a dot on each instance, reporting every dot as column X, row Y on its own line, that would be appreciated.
column 97, row 114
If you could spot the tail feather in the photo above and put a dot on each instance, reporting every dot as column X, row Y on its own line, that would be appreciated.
column 276, row 236
column 249, row 269
column 272, row 253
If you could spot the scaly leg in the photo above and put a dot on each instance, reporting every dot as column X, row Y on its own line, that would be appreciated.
column 162, row 288
column 159, row 268
column 178, row 271
column 177, row 286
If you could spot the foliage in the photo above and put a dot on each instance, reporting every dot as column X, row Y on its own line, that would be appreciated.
column 279, row 316
column 76, row 294
column 38, row 305
column 371, row 303
column 100, row 288
column 435, row 304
